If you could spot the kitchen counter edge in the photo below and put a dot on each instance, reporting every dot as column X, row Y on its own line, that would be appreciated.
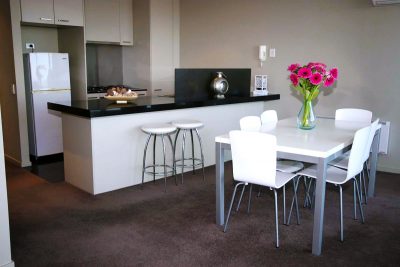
column 103, row 107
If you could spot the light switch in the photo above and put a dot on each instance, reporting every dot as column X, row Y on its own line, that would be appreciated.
column 272, row 52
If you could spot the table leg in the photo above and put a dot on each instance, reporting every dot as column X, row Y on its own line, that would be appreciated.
column 318, row 228
column 219, row 183
column 373, row 163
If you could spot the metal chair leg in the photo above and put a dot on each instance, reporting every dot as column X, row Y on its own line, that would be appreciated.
column 201, row 152
column 364, row 187
column 259, row 191
column 360, row 185
column 294, row 202
column 165, row 167
column 240, row 199
column 284, row 203
column 191, row 137
column 341, row 211
column 276, row 218
column 354, row 198
column 248, row 205
column 183, row 154
column 144, row 158
column 173, row 159
column 295, row 187
column 359, row 203
column 230, row 206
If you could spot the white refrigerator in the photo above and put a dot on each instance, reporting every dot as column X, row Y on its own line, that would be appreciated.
column 46, row 80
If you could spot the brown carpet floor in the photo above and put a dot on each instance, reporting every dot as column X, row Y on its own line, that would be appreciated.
column 55, row 224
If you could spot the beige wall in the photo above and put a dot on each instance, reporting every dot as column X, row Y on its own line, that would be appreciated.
column 8, row 100
column 361, row 40
column 44, row 38
column 136, row 59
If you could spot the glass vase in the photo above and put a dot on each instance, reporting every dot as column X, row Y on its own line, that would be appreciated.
column 306, row 117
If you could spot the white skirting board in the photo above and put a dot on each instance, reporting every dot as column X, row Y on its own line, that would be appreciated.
column 104, row 154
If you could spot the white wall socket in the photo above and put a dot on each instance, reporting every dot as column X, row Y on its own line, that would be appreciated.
column 30, row 46
column 272, row 52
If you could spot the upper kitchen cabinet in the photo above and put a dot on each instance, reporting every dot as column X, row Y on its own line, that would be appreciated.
column 109, row 21
column 68, row 12
column 56, row 12
column 126, row 22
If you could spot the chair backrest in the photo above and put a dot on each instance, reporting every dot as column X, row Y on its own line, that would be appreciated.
column 353, row 114
column 374, row 127
column 269, row 116
column 357, row 152
column 253, row 157
column 250, row 124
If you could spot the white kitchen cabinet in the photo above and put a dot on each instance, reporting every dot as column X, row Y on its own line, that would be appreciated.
column 102, row 21
column 38, row 11
column 109, row 21
column 68, row 12
column 126, row 22
column 58, row 12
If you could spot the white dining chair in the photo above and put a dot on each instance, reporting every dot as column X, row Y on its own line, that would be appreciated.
column 254, row 162
column 269, row 118
column 254, row 124
column 250, row 124
column 290, row 166
column 352, row 115
column 344, row 161
column 338, row 176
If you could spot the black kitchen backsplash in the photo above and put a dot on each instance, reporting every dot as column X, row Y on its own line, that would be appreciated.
column 194, row 84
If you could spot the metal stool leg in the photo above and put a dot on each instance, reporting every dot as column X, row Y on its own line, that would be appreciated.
column 173, row 159
column 191, row 137
column 154, row 158
column 144, row 158
column 165, row 167
column 201, row 152
column 183, row 153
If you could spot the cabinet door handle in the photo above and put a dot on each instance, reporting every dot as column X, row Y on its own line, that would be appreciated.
column 46, row 19
column 63, row 20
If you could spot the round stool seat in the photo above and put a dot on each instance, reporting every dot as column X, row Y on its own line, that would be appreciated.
column 187, row 124
column 158, row 128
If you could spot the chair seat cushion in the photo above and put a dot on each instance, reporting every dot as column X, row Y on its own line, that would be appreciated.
column 289, row 166
column 187, row 124
column 334, row 175
column 158, row 128
column 342, row 161
column 283, row 178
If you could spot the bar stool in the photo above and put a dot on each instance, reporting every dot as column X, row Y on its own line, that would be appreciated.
column 184, row 126
column 154, row 130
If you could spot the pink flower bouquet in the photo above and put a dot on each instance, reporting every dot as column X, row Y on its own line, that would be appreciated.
column 307, row 80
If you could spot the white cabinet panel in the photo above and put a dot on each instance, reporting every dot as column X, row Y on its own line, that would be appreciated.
column 59, row 12
column 38, row 11
column 68, row 12
column 102, row 21
column 126, row 22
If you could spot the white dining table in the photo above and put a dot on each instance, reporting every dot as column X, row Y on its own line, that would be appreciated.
column 327, row 141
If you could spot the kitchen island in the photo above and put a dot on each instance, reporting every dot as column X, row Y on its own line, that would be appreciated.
column 103, row 144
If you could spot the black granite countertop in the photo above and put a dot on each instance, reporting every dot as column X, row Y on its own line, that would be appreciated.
column 103, row 107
